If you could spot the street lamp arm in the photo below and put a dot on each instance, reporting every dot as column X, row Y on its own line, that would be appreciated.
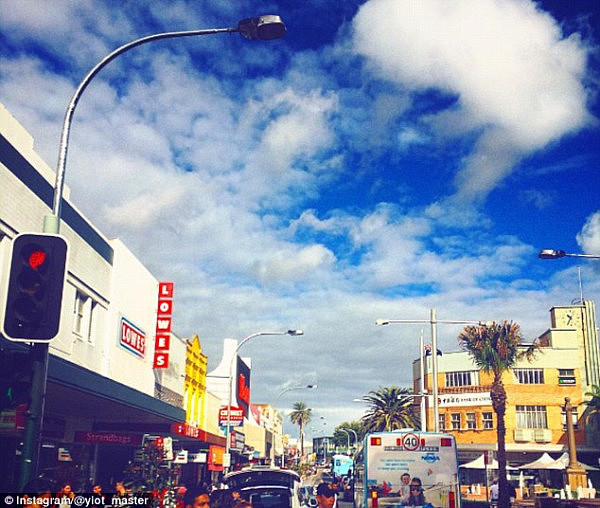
column 66, row 128
column 263, row 27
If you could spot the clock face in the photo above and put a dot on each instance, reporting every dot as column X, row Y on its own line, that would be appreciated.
column 572, row 319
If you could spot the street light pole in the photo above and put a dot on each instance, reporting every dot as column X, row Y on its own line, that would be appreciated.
column 348, row 436
column 233, row 358
column 289, row 389
column 265, row 27
column 433, row 321
column 355, row 435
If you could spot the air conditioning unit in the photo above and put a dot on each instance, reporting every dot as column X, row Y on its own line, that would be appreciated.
column 543, row 435
column 523, row 435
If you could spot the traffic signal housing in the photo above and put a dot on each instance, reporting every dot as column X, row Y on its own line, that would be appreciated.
column 34, row 287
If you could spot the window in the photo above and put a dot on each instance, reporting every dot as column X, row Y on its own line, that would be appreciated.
column 574, row 418
column 79, row 311
column 488, row 420
column 471, row 422
column 566, row 376
column 531, row 417
column 529, row 376
column 442, row 421
column 83, row 316
column 462, row 378
column 455, row 421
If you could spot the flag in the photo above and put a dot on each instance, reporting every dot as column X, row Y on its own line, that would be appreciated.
column 428, row 350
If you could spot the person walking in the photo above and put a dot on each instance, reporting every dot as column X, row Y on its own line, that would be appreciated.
column 196, row 498
column 325, row 496
column 494, row 493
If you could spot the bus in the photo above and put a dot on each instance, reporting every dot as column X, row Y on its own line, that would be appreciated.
column 388, row 463
column 342, row 465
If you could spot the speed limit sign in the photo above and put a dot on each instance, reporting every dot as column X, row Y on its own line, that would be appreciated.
column 410, row 442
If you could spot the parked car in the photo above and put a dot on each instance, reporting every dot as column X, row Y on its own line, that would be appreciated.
column 307, row 496
column 266, row 486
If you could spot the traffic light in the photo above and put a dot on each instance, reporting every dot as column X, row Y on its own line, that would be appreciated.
column 34, row 289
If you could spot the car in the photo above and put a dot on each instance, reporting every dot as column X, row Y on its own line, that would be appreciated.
column 266, row 486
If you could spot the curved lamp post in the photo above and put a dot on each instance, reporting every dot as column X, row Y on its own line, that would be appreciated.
column 234, row 356
column 266, row 27
column 433, row 321
column 355, row 435
column 555, row 254
column 260, row 28
column 289, row 389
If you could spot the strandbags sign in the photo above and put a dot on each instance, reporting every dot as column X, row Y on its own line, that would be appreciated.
column 163, row 325
column 132, row 338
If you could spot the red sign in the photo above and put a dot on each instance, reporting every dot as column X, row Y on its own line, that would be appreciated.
column 163, row 325
column 165, row 290
column 108, row 438
column 183, row 429
column 236, row 418
column 243, row 389
column 132, row 338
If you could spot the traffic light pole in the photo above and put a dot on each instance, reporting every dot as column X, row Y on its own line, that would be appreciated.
column 32, row 436
column 33, row 422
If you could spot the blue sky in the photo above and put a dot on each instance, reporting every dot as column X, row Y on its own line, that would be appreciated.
column 384, row 158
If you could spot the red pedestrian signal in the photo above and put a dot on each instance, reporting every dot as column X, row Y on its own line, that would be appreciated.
column 34, row 290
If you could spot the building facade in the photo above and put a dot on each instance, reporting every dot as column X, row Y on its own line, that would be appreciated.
column 103, row 396
column 565, row 367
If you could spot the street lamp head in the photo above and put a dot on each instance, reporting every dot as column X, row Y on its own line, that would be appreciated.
column 310, row 387
column 551, row 254
column 295, row 332
column 264, row 28
column 382, row 322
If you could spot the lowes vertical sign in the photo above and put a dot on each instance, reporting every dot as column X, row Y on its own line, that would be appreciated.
column 163, row 325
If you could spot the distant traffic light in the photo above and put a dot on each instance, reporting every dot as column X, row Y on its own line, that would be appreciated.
column 35, row 286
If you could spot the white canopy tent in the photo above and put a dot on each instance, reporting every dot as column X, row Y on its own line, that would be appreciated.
column 563, row 461
column 479, row 463
column 547, row 462
column 540, row 463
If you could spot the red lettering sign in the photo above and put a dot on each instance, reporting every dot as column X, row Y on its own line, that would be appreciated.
column 161, row 360
column 165, row 289
column 165, row 307
column 243, row 389
column 162, row 342
column 132, row 338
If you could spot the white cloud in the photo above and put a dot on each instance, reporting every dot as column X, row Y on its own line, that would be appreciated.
column 589, row 236
column 517, row 80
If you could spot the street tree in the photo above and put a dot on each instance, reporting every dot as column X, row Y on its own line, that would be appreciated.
column 496, row 348
column 301, row 416
column 592, row 413
column 389, row 408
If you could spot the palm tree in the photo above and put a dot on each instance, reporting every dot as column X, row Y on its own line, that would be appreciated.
column 389, row 408
column 495, row 348
column 301, row 416
column 593, row 405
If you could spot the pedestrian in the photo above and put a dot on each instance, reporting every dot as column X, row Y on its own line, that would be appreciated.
column 65, row 496
column 120, row 489
column 196, row 498
column 325, row 496
column 494, row 493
